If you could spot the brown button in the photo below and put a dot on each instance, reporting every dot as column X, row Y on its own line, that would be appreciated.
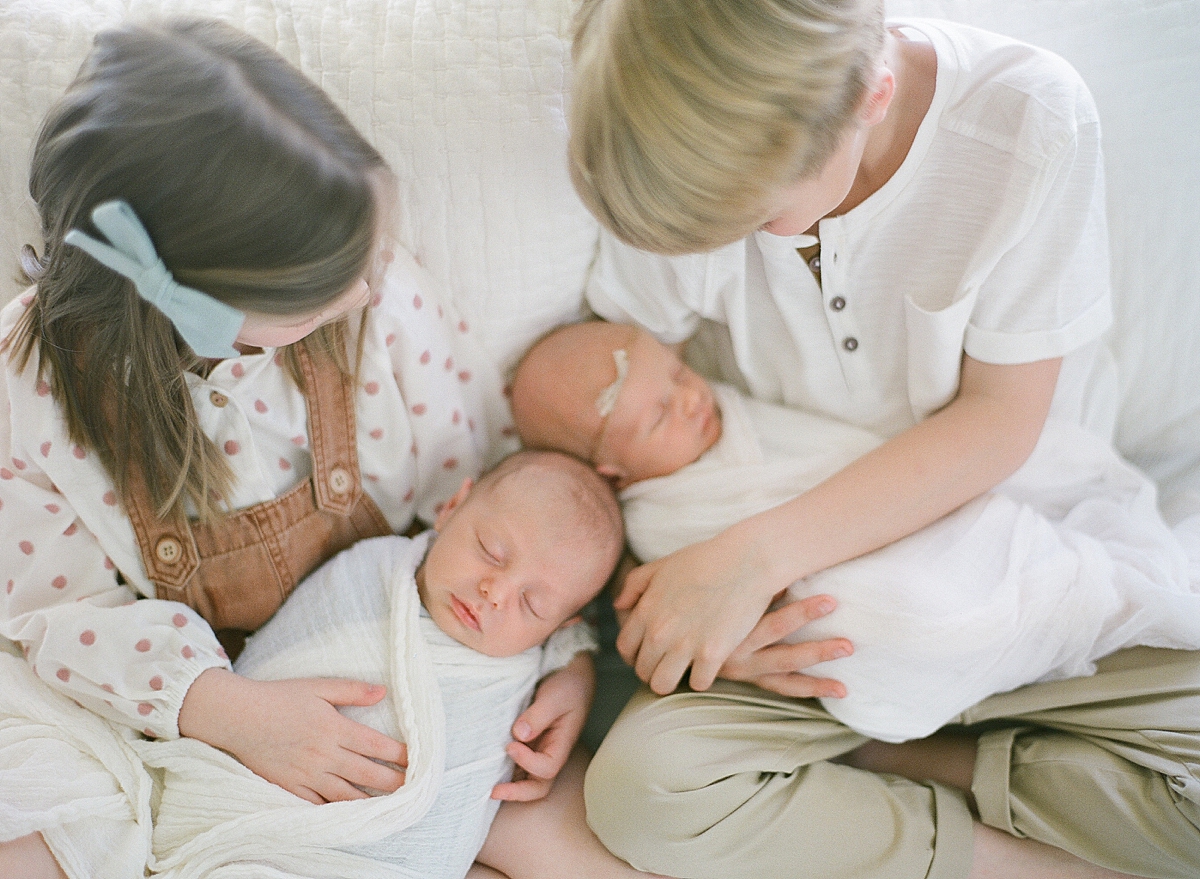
column 850, row 343
column 218, row 399
column 837, row 303
column 339, row 480
column 169, row 550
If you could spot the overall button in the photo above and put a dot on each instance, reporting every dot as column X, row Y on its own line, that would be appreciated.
column 339, row 480
column 850, row 343
column 169, row 550
column 218, row 399
column 837, row 303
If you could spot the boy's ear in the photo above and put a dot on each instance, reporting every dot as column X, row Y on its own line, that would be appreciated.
column 878, row 98
column 451, row 505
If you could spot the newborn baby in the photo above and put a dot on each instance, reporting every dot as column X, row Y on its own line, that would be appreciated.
column 513, row 560
column 1066, row 561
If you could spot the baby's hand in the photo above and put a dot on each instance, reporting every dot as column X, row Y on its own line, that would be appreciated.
column 548, row 729
column 291, row 733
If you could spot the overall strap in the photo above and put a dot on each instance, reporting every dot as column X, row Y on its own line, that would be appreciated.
column 333, row 438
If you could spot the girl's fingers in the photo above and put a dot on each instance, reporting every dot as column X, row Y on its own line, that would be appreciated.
column 343, row 691
column 335, row 789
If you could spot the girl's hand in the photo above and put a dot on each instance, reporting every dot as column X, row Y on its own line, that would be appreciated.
column 547, row 730
column 291, row 733
column 762, row 660
column 693, row 608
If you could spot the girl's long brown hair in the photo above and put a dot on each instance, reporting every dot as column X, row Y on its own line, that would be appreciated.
column 254, row 187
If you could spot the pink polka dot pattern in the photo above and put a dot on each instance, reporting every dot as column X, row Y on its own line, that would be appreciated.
column 376, row 299
column 156, row 682
column 418, row 301
column 108, row 688
column 390, row 340
column 9, row 588
column 450, row 463
column 27, row 300
column 187, row 652
column 87, row 637
column 260, row 406
column 19, row 464
column 285, row 464
column 59, row 582
column 426, row 357
column 26, row 547
column 71, row 529
column 419, row 409
column 43, row 388
column 462, row 326
column 238, row 370
column 108, row 564
column 79, row 452
column 144, row 708
column 63, row 674
column 179, row 620
column 372, row 388
column 5, row 473
column 232, row 447
column 221, row 653
column 464, row 376
column 110, row 498
column 449, row 364
column 44, row 448
column 142, row 646
column 376, row 434
column 53, row 509
column 408, row 496
column 298, row 440
column 456, row 417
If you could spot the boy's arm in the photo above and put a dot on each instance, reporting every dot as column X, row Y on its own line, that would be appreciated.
column 694, row 607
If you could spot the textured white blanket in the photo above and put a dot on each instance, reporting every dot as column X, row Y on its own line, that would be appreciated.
column 1065, row 562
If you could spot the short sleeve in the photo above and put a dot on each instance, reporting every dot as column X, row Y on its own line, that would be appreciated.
column 631, row 286
column 1049, row 294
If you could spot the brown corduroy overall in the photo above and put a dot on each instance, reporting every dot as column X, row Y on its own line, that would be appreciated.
column 237, row 570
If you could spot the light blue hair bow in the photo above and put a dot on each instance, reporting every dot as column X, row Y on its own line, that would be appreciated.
column 207, row 324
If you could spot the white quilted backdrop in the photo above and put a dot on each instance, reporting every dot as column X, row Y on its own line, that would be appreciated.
column 465, row 99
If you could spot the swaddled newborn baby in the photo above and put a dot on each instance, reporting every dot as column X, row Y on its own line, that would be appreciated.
column 1066, row 561
column 513, row 560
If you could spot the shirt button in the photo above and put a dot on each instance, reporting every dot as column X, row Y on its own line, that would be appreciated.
column 218, row 399
column 814, row 264
column 168, row 550
column 339, row 480
column 837, row 303
column 850, row 343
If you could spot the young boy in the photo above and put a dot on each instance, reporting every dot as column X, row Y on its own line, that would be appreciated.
column 1065, row 562
column 513, row 560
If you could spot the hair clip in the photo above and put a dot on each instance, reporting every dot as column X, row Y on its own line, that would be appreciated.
column 608, row 397
column 208, row 325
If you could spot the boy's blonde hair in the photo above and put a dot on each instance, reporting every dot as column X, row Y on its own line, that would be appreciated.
column 687, row 115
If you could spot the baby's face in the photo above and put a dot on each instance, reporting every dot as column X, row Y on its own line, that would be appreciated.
column 504, row 572
column 664, row 417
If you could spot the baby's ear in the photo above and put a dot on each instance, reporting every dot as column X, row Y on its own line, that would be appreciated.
column 566, row 624
column 451, row 505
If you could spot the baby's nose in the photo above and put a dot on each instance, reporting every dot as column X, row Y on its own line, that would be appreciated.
column 494, row 590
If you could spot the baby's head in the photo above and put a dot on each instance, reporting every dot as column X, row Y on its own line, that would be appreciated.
column 614, row 395
column 519, row 553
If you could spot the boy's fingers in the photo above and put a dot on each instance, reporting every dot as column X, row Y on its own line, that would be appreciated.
column 361, row 739
column 784, row 621
column 539, row 764
column 635, row 584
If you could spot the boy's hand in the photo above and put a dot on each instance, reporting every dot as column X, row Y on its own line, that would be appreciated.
column 291, row 733
column 762, row 660
column 547, row 730
column 692, row 608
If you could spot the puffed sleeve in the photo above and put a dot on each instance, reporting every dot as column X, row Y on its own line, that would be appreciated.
column 84, row 631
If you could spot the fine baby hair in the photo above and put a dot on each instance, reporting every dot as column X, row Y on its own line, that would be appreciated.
column 686, row 115
column 521, row 552
column 220, row 159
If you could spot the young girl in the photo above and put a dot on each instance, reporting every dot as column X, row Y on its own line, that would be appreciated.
column 902, row 228
column 224, row 376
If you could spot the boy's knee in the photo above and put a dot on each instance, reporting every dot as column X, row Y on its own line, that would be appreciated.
column 632, row 783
